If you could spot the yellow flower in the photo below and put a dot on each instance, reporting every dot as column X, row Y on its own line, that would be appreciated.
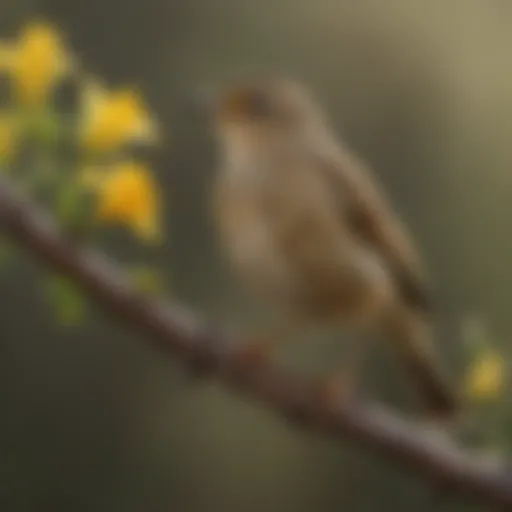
column 127, row 194
column 111, row 119
column 485, row 378
column 6, row 56
column 8, row 134
column 35, row 62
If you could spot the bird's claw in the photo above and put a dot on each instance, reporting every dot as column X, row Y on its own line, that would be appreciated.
column 335, row 391
column 254, row 353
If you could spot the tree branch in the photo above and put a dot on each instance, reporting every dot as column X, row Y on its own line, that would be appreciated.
column 175, row 331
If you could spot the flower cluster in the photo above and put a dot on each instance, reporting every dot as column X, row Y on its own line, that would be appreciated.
column 485, row 378
column 75, row 158
column 103, row 124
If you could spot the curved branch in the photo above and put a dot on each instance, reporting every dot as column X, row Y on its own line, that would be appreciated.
column 175, row 331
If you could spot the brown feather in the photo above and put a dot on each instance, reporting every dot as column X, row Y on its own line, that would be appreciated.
column 367, row 213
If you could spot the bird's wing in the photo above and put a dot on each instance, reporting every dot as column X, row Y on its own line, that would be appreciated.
column 368, row 215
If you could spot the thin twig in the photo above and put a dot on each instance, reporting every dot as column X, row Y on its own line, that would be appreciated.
column 177, row 332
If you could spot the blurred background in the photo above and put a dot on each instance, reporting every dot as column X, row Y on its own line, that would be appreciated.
column 93, row 419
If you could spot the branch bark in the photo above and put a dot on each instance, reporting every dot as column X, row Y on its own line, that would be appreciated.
column 175, row 331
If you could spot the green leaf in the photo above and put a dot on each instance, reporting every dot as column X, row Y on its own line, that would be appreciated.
column 67, row 301
column 44, row 126
column 51, row 129
column 68, row 201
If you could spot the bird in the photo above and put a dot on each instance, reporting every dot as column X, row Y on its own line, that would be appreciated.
column 306, row 225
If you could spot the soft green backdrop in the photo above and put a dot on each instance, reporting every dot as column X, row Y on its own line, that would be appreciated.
column 92, row 420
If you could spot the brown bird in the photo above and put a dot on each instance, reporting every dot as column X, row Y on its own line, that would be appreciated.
column 306, row 225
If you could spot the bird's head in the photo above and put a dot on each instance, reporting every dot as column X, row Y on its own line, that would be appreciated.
column 272, row 107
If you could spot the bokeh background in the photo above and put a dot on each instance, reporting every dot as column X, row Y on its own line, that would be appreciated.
column 92, row 419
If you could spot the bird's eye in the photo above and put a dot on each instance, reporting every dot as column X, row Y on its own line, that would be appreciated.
column 247, row 103
column 259, row 104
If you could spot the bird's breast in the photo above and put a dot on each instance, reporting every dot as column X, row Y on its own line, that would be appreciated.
column 252, row 242
column 250, row 210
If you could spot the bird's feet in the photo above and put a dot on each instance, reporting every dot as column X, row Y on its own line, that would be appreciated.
column 337, row 390
column 255, row 353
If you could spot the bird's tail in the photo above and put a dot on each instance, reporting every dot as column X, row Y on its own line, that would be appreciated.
column 412, row 337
